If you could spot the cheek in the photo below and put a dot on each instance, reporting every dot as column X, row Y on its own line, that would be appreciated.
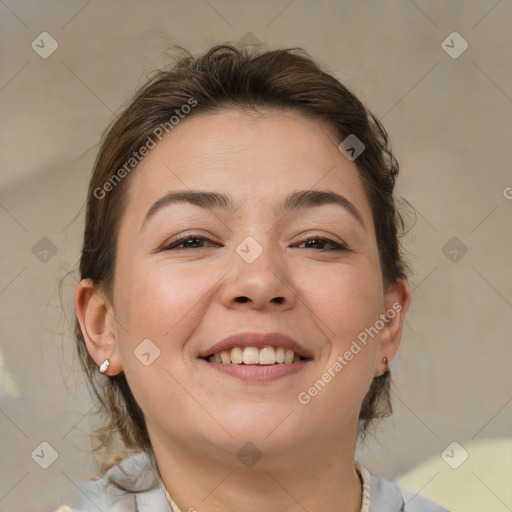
column 163, row 304
column 345, row 300
column 156, row 301
column 347, row 304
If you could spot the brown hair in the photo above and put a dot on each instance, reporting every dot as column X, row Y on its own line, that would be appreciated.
column 224, row 77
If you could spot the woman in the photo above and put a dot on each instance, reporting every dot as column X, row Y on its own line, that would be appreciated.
column 242, row 292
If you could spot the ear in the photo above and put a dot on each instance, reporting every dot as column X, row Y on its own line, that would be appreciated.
column 396, row 304
column 96, row 317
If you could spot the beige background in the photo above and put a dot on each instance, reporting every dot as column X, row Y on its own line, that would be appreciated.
column 450, row 122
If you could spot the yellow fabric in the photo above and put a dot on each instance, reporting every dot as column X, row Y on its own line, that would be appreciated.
column 483, row 482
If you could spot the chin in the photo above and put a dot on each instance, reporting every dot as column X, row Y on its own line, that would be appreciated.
column 272, row 429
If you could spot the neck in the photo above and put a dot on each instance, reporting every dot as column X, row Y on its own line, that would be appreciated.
column 319, row 478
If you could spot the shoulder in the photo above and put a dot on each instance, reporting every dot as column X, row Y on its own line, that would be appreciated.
column 383, row 495
column 131, row 486
column 134, row 486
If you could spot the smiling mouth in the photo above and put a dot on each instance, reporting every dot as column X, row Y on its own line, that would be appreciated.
column 264, row 356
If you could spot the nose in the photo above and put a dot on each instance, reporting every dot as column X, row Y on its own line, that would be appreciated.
column 262, row 284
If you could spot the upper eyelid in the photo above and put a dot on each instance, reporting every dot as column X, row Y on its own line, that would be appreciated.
column 305, row 238
column 184, row 237
column 337, row 245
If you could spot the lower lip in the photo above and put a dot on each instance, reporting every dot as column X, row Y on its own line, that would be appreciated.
column 258, row 373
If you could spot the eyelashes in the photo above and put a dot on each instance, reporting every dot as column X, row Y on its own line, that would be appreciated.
column 183, row 241
column 179, row 241
column 322, row 240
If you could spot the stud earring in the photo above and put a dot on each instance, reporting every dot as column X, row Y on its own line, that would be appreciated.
column 104, row 367
column 386, row 362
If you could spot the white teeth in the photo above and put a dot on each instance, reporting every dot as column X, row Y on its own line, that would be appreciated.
column 225, row 356
column 253, row 355
column 288, row 356
column 237, row 355
column 267, row 355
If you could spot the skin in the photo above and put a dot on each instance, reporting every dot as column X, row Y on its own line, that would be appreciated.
column 186, row 300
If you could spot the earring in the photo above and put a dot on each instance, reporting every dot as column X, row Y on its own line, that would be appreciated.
column 386, row 362
column 104, row 367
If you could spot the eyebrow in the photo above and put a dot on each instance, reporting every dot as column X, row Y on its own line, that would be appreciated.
column 294, row 201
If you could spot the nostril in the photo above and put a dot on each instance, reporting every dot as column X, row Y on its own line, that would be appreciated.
column 243, row 299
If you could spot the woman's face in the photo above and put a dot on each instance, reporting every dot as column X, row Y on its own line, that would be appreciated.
column 260, row 264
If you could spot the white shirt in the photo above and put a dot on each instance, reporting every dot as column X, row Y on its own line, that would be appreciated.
column 138, row 473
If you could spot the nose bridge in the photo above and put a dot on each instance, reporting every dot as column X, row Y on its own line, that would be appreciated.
column 259, row 274
column 259, row 245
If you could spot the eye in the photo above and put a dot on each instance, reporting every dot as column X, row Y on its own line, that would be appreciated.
column 197, row 242
column 187, row 242
column 316, row 241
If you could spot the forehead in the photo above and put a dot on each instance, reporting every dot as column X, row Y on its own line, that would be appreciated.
column 258, row 155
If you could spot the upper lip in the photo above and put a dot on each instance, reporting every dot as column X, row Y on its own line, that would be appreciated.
column 258, row 340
